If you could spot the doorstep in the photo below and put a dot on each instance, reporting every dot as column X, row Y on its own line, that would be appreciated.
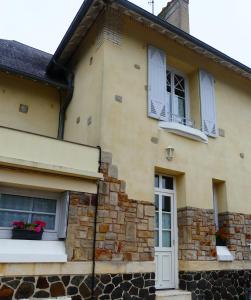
column 173, row 294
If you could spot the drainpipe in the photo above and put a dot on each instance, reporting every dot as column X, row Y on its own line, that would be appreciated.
column 95, row 232
column 65, row 98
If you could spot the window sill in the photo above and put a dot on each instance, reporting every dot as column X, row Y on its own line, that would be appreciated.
column 223, row 254
column 27, row 251
column 186, row 131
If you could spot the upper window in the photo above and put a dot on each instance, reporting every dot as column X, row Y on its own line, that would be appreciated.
column 176, row 97
column 27, row 206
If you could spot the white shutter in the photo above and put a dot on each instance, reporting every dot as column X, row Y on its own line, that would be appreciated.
column 157, row 94
column 63, row 215
column 207, row 98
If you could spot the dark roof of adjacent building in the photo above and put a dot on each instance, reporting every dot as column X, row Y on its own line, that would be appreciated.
column 26, row 61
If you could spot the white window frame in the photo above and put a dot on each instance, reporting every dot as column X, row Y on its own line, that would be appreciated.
column 187, row 98
column 48, row 235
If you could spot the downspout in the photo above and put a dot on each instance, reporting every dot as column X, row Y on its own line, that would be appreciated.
column 95, row 231
column 64, row 103
column 65, row 98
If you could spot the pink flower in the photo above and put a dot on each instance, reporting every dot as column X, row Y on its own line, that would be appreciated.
column 38, row 228
column 40, row 223
column 18, row 224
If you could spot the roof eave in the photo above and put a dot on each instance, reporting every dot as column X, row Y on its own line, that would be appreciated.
column 33, row 77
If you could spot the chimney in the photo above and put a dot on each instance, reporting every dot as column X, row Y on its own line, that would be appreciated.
column 176, row 13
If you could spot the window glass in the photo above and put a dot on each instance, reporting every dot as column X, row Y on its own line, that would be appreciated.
column 156, row 238
column 166, row 221
column 166, row 204
column 167, row 183
column 166, row 238
column 27, row 209
column 156, row 181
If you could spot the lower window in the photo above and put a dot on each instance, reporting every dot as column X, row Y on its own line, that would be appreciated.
column 30, row 206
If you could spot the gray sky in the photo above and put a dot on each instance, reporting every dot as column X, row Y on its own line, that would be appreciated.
column 224, row 24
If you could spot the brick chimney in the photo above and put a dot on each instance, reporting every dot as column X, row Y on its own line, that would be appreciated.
column 176, row 12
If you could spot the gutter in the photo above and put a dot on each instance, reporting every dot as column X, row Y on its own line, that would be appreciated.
column 76, row 21
column 33, row 77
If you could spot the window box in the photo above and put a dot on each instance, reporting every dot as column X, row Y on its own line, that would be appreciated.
column 24, row 234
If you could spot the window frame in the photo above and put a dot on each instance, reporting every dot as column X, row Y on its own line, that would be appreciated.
column 48, row 235
column 174, row 71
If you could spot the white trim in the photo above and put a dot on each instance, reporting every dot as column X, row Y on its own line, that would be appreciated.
column 215, row 206
column 20, row 251
column 187, row 96
column 162, row 191
column 186, row 131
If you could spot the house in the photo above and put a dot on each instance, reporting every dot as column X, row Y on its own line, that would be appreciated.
column 132, row 143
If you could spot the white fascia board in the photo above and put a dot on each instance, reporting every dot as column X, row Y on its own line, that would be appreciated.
column 223, row 254
column 186, row 131
column 28, row 251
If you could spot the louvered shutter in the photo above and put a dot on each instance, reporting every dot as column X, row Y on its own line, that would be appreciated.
column 207, row 98
column 157, row 94
column 63, row 215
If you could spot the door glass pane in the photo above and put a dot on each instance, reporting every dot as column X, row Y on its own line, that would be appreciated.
column 44, row 205
column 166, row 221
column 166, row 203
column 15, row 202
column 166, row 239
column 156, row 202
column 167, row 182
column 48, row 219
column 156, row 238
column 157, row 220
column 156, row 181
column 7, row 218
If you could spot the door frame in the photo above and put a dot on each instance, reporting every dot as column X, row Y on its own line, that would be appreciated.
column 175, row 222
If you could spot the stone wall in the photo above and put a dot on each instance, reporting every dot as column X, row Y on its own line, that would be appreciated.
column 125, row 227
column 107, row 286
column 196, row 234
column 227, row 284
column 238, row 228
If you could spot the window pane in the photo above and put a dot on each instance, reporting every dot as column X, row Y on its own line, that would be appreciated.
column 48, row 219
column 156, row 202
column 15, row 202
column 166, row 221
column 167, row 182
column 156, row 237
column 166, row 238
column 166, row 203
column 168, row 81
column 44, row 205
column 156, row 181
column 157, row 220
column 7, row 218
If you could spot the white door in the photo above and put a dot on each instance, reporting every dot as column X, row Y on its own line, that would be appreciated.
column 165, row 233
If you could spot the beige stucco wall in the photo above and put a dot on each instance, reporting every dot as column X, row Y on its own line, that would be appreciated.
column 43, row 103
column 83, row 114
column 126, row 130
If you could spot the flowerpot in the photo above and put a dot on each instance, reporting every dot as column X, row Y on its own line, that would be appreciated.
column 24, row 234
column 220, row 242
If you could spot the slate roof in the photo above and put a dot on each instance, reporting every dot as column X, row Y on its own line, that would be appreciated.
column 26, row 61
